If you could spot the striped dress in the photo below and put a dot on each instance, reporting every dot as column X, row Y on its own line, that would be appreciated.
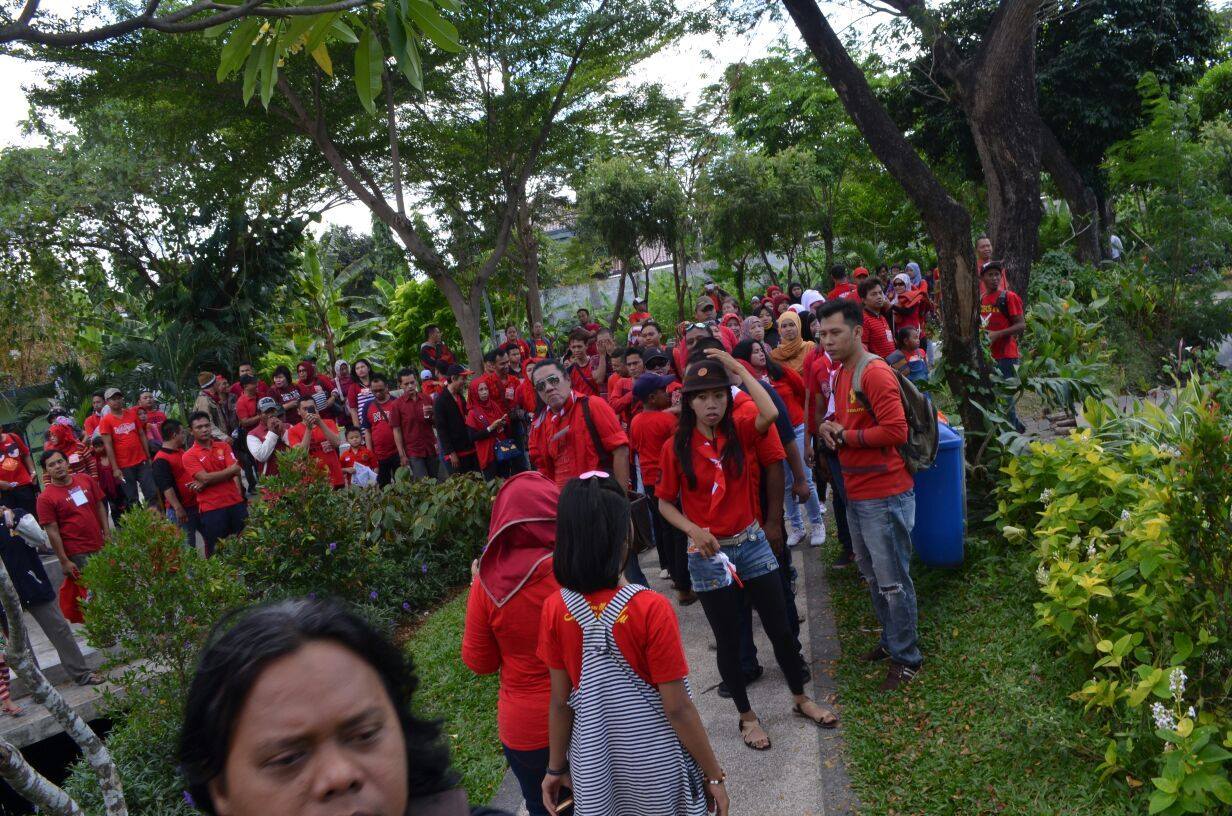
column 624, row 756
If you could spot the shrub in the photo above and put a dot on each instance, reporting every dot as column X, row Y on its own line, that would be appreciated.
column 1132, row 527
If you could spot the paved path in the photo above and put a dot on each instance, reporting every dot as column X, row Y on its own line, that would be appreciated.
column 803, row 774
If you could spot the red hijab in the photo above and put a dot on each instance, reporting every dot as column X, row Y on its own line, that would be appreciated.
column 521, row 535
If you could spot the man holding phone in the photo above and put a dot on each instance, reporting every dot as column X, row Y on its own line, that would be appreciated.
column 320, row 438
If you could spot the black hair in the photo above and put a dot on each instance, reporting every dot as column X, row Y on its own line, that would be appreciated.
column 621, row 352
column 838, row 272
column 284, row 371
column 408, row 372
column 548, row 363
column 867, row 285
column 997, row 265
column 744, row 351
column 195, row 415
column 901, row 334
column 983, row 236
column 578, row 335
column 764, row 307
column 699, row 347
column 247, row 379
column 512, row 326
column 240, row 647
column 852, row 312
column 243, row 363
column 428, row 329
column 489, row 356
column 792, row 285
column 376, row 376
column 631, row 350
column 99, row 394
column 46, row 455
column 654, row 323
column 171, row 427
column 592, row 534
column 583, row 309
column 499, row 350
column 733, row 452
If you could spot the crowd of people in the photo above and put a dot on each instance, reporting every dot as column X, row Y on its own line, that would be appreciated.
column 721, row 443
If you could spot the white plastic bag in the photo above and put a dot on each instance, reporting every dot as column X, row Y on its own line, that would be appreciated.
column 364, row 476
column 31, row 533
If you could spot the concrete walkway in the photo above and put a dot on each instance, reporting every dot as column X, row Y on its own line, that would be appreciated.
column 804, row 773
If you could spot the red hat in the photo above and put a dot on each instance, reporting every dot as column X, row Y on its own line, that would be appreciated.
column 860, row 272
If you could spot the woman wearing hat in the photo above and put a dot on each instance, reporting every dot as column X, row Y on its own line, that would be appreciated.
column 713, row 468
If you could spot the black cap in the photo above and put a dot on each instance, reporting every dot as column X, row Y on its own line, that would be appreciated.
column 647, row 384
column 455, row 369
column 652, row 354
column 705, row 375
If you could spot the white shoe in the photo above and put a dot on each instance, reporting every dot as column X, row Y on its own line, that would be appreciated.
column 664, row 574
column 819, row 536
column 795, row 537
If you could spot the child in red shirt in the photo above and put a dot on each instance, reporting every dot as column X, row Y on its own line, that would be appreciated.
column 357, row 453
column 592, row 545
column 711, row 466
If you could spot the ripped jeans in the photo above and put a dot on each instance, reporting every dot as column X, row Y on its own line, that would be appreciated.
column 881, row 539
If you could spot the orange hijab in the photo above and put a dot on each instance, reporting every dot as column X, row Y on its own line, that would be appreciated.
column 791, row 353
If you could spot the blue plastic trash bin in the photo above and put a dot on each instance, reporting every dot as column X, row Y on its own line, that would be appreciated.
column 941, row 504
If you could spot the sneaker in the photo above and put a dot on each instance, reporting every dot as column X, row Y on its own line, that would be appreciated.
column 749, row 679
column 897, row 676
column 819, row 536
column 843, row 561
column 664, row 574
column 795, row 537
column 876, row 655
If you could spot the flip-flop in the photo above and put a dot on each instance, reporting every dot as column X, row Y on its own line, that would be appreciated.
column 819, row 723
column 14, row 712
column 745, row 740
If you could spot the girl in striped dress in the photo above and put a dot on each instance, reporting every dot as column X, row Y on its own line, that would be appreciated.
column 624, row 735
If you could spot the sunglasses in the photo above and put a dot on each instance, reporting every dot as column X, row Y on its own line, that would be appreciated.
column 547, row 382
column 709, row 308
column 705, row 326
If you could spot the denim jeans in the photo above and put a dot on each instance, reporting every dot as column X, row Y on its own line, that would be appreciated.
column 791, row 503
column 190, row 527
column 752, row 558
column 881, row 538
column 839, row 500
column 529, row 768
column 1008, row 368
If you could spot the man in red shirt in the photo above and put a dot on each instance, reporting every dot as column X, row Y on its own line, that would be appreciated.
column 562, row 443
column 173, row 481
column 1002, row 316
column 71, row 511
column 215, row 477
column 17, row 473
column 583, row 377
column 320, row 438
column 877, row 337
column 651, row 337
column 414, row 434
column 843, row 288
column 378, row 423
column 247, row 370
column 124, row 440
column 588, row 329
column 97, row 403
column 867, row 429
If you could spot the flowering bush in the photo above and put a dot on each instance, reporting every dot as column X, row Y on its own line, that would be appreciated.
column 1132, row 527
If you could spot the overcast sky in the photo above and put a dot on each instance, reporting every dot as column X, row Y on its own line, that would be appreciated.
column 682, row 69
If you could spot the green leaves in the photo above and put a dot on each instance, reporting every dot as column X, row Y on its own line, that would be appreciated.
column 236, row 48
column 369, row 63
column 429, row 20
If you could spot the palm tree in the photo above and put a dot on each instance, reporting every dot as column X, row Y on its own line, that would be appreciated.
column 167, row 360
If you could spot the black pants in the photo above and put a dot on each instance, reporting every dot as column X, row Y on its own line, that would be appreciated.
column 529, row 768
column 748, row 646
column 724, row 608
column 22, row 496
column 671, row 544
column 839, row 500
column 386, row 469
column 220, row 523
column 503, row 470
column 467, row 463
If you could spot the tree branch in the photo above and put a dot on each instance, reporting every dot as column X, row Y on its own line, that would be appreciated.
column 21, row 656
column 33, row 786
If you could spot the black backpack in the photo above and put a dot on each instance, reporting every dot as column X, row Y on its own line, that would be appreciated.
column 922, row 436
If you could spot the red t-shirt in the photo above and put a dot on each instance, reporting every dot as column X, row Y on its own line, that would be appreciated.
column 638, row 317
column 181, row 476
column 872, row 466
column 13, row 453
column 877, row 336
column 328, row 459
column 246, row 406
column 414, row 418
column 582, row 379
column 791, row 388
column 91, row 425
column 127, row 436
column 647, row 634
column 845, row 290
column 1005, row 347
column 650, row 429
column 361, row 455
column 722, row 501
column 378, row 418
column 216, row 457
column 73, row 508
column 561, row 446
column 505, row 639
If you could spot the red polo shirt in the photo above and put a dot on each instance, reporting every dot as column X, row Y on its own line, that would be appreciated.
column 378, row 418
column 414, row 418
column 216, row 457
column 328, row 459
column 647, row 433
column 722, row 501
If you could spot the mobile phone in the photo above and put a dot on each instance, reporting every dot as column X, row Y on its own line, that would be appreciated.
column 564, row 807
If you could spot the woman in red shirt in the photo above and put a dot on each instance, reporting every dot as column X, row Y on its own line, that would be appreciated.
column 712, row 466
column 602, row 697
column 487, row 422
column 511, row 580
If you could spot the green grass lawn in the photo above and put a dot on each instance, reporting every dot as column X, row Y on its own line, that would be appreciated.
column 987, row 726
column 466, row 702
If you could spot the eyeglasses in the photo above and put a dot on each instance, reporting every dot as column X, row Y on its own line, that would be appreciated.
column 595, row 474
column 547, row 382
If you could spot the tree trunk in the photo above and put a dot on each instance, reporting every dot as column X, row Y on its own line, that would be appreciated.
column 1083, row 205
column 739, row 268
column 467, row 310
column 528, row 242
column 947, row 221
column 827, row 238
column 1002, row 113
column 625, row 271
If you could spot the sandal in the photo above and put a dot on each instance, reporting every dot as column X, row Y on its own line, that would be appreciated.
column 828, row 717
column 13, row 710
column 92, row 679
column 746, row 734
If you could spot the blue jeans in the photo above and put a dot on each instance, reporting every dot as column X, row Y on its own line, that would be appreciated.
column 190, row 526
column 529, row 768
column 792, row 504
column 752, row 558
column 1008, row 369
column 881, row 538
